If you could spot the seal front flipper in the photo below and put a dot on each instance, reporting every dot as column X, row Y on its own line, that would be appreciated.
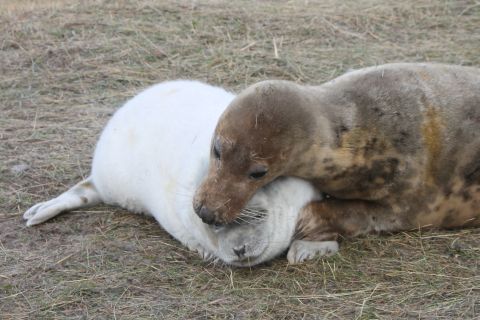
column 303, row 250
column 321, row 223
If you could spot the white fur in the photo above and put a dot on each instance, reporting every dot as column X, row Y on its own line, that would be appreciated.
column 151, row 157
column 264, row 240
column 154, row 152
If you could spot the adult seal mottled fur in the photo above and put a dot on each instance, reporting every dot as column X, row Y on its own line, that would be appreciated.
column 395, row 146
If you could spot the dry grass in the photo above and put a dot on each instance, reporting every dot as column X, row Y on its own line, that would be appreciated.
column 65, row 67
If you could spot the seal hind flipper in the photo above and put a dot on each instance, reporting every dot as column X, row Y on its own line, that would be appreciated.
column 83, row 194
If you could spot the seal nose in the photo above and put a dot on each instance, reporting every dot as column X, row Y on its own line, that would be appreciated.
column 205, row 214
column 239, row 251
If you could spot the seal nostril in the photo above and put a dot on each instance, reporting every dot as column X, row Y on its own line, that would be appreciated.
column 197, row 206
column 206, row 215
column 239, row 251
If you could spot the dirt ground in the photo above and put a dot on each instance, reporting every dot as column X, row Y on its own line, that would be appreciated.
column 65, row 67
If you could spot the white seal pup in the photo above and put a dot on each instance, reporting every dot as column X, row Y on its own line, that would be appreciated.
column 151, row 157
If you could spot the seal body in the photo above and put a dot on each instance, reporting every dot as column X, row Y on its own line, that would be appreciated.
column 153, row 154
column 154, row 150
column 395, row 146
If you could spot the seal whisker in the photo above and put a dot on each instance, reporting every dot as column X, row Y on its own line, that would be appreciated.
column 252, row 216
column 242, row 221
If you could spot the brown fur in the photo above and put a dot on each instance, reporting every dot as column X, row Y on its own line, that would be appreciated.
column 397, row 146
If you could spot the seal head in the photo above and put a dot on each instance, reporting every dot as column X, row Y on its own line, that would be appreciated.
column 267, row 226
column 252, row 145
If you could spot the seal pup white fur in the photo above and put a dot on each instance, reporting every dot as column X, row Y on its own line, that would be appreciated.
column 151, row 157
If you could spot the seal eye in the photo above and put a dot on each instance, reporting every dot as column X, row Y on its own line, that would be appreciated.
column 216, row 148
column 258, row 173
column 216, row 153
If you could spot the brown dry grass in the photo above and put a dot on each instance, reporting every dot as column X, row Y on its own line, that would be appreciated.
column 66, row 66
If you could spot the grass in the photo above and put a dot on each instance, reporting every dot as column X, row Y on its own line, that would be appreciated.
column 65, row 67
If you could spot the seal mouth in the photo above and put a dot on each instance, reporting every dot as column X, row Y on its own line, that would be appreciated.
column 253, row 251
column 252, row 259
column 217, row 227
